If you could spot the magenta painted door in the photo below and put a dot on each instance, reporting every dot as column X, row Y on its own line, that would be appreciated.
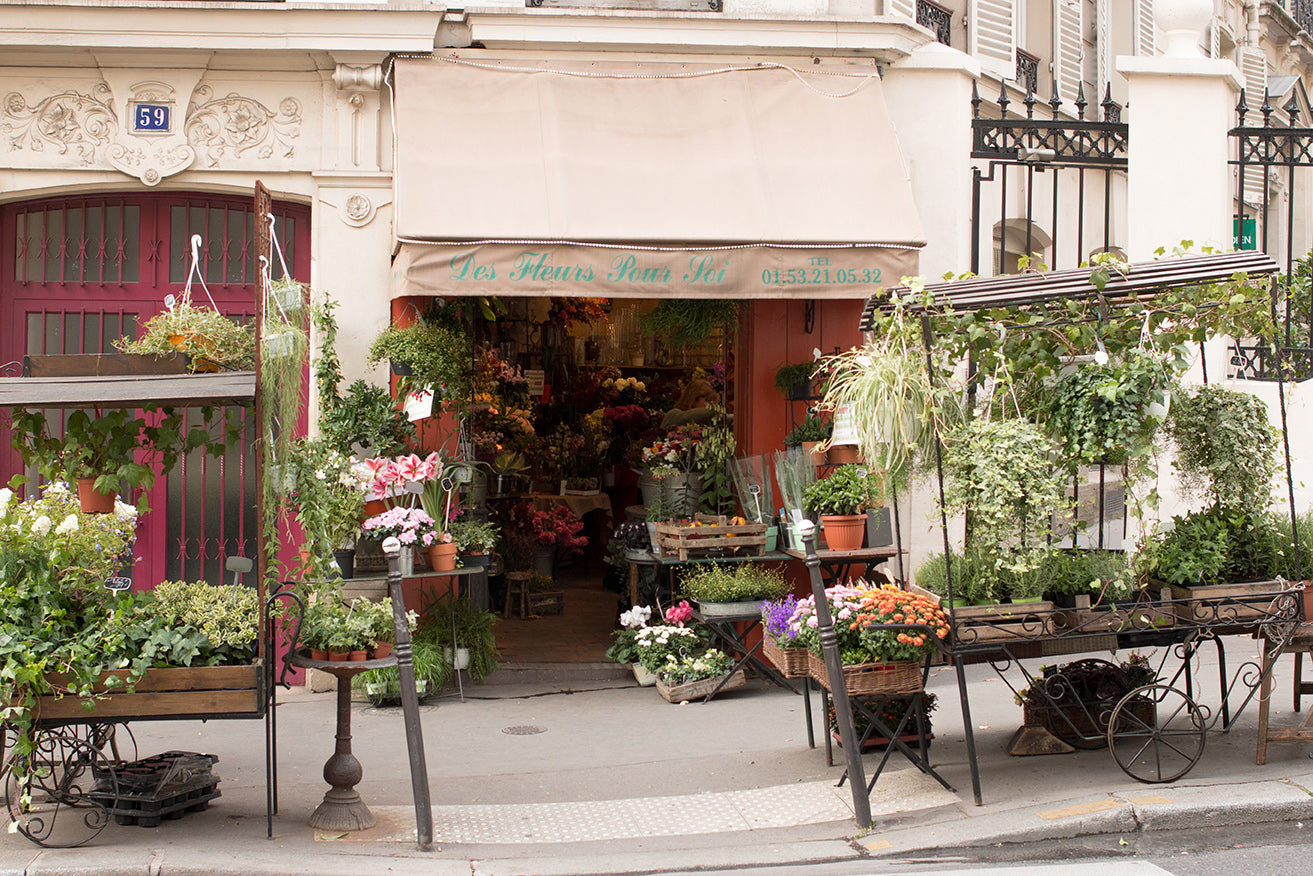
column 77, row 273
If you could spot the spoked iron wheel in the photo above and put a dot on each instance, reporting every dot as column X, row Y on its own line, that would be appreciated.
column 60, row 794
column 1156, row 734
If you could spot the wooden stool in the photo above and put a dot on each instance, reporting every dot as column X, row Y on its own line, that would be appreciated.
column 1300, row 644
column 517, row 588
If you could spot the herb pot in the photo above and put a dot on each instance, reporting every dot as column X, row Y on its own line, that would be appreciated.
column 339, row 656
column 382, row 649
column 318, row 654
column 358, row 656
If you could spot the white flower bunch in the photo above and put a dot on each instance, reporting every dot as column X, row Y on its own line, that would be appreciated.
column 636, row 617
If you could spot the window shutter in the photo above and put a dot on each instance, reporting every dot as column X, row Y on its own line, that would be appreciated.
column 1067, row 21
column 1103, row 44
column 1145, row 30
column 1253, row 66
column 904, row 7
column 993, row 39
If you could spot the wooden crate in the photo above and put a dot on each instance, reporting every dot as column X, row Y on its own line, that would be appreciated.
column 1002, row 621
column 546, row 602
column 1222, row 604
column 698, row 689
column 715, row 533
column 169, row 693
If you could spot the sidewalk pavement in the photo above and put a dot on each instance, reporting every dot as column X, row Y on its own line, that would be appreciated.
column 576, row 770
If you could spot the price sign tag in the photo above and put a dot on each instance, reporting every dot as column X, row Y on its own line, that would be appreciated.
column 419, row 405
column 118, row 583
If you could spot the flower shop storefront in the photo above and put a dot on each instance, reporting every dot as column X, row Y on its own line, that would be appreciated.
column 765, row 200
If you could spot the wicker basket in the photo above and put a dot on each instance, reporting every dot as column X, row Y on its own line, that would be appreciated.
column 698, row 689
column 876, row 679
column 791, row 662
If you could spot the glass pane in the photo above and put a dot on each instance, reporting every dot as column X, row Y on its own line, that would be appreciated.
column 109, row 332
column 52, row 344
column 237, row 247
column 34, row 335
column 93, row 245
column 72, row 333
column 112, row 258
column 131, row 244
column 177, row 244
column 91, row 333
column 53, row 243
column 215, row 245
column 74, row 266
column 20, row 246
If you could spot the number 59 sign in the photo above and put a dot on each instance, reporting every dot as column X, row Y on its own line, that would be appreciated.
column 151, row 118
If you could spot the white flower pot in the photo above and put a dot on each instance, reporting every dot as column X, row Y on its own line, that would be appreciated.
column 462, row 660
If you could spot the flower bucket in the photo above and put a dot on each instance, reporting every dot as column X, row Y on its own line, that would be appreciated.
column 870, row 679
column 92, row 500
column 544, row 561
column 346, row 563
column 772, row 539
column 442, row 557
column 791, row 662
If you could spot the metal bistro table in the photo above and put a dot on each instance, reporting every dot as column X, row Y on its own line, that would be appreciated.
column 835, row 564
column 724, row 627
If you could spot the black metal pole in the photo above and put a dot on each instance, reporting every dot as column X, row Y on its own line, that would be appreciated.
column 843, row 711
column 419, row 773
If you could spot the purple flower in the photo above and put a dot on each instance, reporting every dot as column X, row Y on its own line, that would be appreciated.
column 776, row 614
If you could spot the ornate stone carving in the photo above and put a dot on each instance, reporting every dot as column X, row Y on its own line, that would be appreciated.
column 151, row 163
column 357, row 210
column 348, row 78
column 236, row 124
column 66, row 122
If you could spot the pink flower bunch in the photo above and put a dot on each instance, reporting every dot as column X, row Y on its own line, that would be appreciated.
column 679, row 614
column 628, row 418
column 557, row 525
column 389, row 476
column 410, row 526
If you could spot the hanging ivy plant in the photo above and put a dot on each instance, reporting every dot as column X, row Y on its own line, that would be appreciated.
column 1226, row 447
column 1109, row 412
column 688, row 322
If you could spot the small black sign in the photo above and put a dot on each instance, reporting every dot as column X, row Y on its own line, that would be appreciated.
column 118, row 583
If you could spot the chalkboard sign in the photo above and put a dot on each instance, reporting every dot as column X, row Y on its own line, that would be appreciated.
column 118, row 583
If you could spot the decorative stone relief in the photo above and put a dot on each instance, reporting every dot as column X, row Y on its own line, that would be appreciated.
column 146, row 156
column 65, row 122
column 357, row 210
column 236, row 124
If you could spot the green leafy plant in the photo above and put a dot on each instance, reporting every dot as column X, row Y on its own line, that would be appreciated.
column 432, row 672
column 460, row 623
column 116, row 446
column 202, row 333
column 812, row 428
column 436, row 357
column 1110, row 412
column 228, row 616
column 1217, row 543
column 474, row 536
column 1226, row 447
column 794, row 379
column 848, row 489
column 712, row 457
column 367, row 419
column 688, row 322
column 686, row 668
column 741, row 582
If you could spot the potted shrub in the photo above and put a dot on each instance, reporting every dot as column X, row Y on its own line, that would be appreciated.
column 722, row 589
column 841, row 500
column 813, row 430
column 624, row 648
column 104, row 450
column 475, row 539
column 457, row 623
column 794, row 380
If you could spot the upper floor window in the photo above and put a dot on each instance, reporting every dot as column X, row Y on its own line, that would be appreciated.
column 1027, row 71
column 938, row 19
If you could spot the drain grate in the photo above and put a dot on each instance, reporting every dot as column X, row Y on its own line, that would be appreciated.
column 523, row 730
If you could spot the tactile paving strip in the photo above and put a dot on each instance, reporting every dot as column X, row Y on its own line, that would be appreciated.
column 585, row 821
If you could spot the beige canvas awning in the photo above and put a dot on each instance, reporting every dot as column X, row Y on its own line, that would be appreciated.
column 647, row 180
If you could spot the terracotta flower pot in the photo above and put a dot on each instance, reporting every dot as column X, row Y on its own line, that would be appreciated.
column 358, row 656
column 318, row 654
column 442, row 557
column 382, row 649
column 339, row 656
column 844, row 532
column 92, row 500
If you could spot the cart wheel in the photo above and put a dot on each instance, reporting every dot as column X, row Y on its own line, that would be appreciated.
column 1156, row 734
column 59, row 795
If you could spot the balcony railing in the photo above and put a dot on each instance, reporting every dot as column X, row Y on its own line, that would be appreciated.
column 1027, row 71
column 1302, row 12
column 938, row 19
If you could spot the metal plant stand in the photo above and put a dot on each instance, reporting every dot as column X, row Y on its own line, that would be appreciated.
column 342, row 808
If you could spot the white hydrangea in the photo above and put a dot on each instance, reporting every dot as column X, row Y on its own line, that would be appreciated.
column 41, row 525
column 70, row 524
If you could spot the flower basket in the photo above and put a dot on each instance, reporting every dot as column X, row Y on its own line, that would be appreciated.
column 701, row 688
column 900, row 677
column 791, row 662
